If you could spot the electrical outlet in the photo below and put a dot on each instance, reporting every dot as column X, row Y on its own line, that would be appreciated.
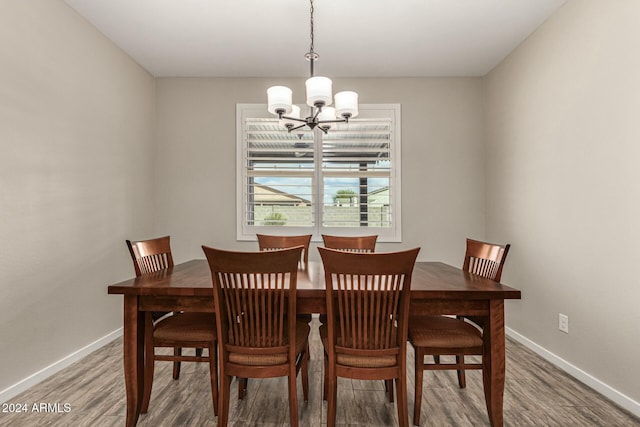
column 563, row 323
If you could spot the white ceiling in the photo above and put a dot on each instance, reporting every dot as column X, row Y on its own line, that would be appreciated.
column 355, row 38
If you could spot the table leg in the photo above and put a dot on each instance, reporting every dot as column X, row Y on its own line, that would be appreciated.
column 133, row 358
column 494, row 362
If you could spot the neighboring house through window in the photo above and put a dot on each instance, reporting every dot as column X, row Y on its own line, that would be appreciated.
column 344, row 182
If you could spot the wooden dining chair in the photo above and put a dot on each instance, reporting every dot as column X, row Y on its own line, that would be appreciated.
column 485, row 259
column 442, row 335
column 258, row 335
column 176, row 330
column 270, row 243
column 350, row 243
column 367, row 314
column 364, row 244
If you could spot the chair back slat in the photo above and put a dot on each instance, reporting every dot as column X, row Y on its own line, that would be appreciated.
column 154, row 262
column 368, row 297
column 150, row 255
column 364, row 244
column 485, row 259
column 256, row 307
column 252, row 297
column 367, row 309
column 273, row 243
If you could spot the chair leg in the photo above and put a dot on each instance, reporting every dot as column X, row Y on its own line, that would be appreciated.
column 325, row 383
column 293, row 396
column 388, row 385
column 462, row 381
column 305, row 375
column 419, row 374
column 223, row 399
column 199, row 352
column 401, row 390
column 177, row 351
column 242, row 387
column 213, row 374
column 333, row 396
column 436, row 359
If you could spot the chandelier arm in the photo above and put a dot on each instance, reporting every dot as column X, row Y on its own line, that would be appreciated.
column 297, row 127
column 294, row 118
column 332, row 121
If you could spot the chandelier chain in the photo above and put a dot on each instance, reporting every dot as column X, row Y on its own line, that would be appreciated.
column 311, row 26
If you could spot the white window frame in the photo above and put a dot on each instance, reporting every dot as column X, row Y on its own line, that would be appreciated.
column 245, row 232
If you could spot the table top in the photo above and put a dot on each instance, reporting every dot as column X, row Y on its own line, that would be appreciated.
column 430, row 280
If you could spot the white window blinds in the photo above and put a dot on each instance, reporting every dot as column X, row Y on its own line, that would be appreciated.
column 356, row 174
column 344, row 182
column 279, row 175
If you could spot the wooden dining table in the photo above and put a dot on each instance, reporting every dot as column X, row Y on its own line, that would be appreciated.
column 436, row 288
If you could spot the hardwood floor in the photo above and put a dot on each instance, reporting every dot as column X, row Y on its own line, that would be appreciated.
column 536, row 394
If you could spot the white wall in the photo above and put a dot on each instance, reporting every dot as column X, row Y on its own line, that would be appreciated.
column 76, row 156
column 563, row 174
column 442, row 159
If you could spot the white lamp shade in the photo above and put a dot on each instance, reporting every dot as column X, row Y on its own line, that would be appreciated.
column 327, row 113
column 279, row 98
column 318, row 91
column 295, row 113
column 346, row 104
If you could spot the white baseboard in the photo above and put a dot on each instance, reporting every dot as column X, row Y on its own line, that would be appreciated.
column 14, row 390
column 614, row 395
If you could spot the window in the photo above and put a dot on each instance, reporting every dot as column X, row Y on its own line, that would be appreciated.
column 345, row 182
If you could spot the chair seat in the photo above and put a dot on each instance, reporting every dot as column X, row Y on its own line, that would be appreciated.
column 442, row 331
column 357, row 361
column 302, row 337
column 196, row 327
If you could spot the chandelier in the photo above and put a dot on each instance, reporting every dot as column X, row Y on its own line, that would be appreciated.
column 319, row 99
